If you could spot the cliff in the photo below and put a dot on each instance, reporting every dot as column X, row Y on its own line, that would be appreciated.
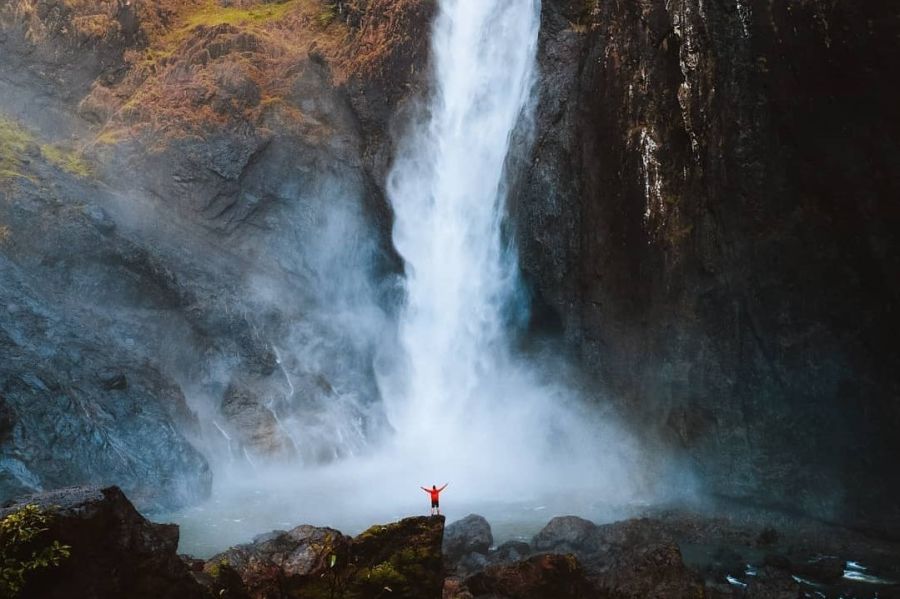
column 708, row 218
column 189, row 193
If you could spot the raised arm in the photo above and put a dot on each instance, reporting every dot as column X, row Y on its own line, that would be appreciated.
column 444, row 487
column 424, row 489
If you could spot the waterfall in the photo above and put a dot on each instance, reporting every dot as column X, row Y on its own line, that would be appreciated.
column 448, row 193
column 459, row 402
column 507, row 431
column 463, row 405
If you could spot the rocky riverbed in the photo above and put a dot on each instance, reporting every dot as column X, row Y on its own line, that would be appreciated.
column 116, row 552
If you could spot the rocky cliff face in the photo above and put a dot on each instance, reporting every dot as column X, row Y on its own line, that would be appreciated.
column 709, row 217
column 194, row 241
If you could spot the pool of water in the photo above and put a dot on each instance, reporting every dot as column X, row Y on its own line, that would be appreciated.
column 254, row 505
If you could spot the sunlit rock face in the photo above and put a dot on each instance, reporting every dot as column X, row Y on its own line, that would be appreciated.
column 709, row 218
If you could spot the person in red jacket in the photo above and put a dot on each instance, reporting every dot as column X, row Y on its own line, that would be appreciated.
column 435, row 498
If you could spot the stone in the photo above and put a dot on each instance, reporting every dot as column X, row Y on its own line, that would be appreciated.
column 539, row 577
column 633, row 558
column 307, row 561
column 821, row 568
column 772, row 583
column 279, row 560
column 115, row 551
column 510, row 551
column 567, row 534
column 471, row 534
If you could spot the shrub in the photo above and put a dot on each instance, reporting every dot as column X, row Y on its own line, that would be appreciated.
column 25, row 549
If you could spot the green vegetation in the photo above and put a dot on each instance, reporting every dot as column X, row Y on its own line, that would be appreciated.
column 328, row 14
column 211, row 14
column 16, row 142
column 13, row 143
column 24, row 548
column 215, row 570
column 68, row 160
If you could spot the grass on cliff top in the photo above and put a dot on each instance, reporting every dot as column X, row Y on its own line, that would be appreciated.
column 14, row 143
column 209, row 13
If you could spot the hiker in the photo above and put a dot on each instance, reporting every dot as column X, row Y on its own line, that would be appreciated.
column 435, row 498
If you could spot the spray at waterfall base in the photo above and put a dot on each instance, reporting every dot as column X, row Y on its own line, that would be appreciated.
column 460, row 406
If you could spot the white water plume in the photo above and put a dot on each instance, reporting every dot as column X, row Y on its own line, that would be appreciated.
column 463, row 406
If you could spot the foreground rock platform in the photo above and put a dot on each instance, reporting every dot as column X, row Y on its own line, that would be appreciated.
column 402, row 559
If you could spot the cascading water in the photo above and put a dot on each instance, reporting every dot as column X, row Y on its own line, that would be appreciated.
column 448, row 195
column 463, row 406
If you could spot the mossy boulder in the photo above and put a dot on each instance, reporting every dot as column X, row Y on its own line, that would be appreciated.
column 397, row 560
column 279, row 563
column 402, row 559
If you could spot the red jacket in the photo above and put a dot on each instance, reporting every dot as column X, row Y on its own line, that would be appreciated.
column 434, row 492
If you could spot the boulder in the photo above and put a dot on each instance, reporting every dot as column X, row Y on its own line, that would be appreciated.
column 772, row 583
column 632, row 558
column 539, row 577
column 279, row 560
column 822, row 568
column 651, row 569
column 115, row 551
column 404, row 557
column 472, row 534
column 567, row 534
column 511, row 551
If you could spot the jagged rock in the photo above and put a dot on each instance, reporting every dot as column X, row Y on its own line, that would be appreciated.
column 238, row 152
column 567, row 534
column 115, row 552
column 280, row 561
column 472, row 534
column 404, row 557
column 634, row 558
column 71, row 418
column 539, row 577
column 511, row 551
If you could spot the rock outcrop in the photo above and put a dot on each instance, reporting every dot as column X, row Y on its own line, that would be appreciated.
column 402, row 559
column 470, row 535
column 81, row 398
column 634, row 558
column 114, row 551
column 539, row 577
column 280, row 562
